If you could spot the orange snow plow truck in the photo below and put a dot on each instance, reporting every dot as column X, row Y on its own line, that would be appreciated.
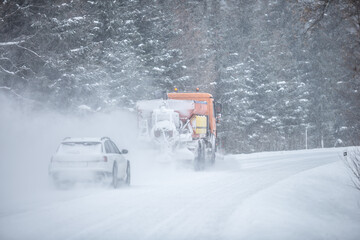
column 202, row 119
column 202, row 115
column 196, row 115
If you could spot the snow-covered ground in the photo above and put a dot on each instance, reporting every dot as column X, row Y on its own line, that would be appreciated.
column 274, row 195
column 271, row 195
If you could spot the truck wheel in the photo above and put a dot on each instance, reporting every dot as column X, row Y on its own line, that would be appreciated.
column 213, row 156
column 213, row 150
column 199, row 162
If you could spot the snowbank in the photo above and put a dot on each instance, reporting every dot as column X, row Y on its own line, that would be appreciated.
column 319, row 203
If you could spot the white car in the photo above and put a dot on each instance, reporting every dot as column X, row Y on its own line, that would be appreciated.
column 89, row 159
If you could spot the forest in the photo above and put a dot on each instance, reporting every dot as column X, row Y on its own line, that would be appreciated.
column 287, row 72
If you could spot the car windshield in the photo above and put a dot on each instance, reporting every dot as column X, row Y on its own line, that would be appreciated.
column 80, row 147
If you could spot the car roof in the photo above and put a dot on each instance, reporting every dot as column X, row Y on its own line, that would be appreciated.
column 84, row 139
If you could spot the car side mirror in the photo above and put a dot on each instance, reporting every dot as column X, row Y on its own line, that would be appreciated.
column 218, row 116
column 218, row 108
column 124, row 151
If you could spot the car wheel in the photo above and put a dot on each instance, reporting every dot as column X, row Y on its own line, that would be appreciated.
column 115, row 181
column 128, row 174
column 54, row 181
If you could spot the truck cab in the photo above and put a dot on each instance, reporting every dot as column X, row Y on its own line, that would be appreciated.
column 204, row 106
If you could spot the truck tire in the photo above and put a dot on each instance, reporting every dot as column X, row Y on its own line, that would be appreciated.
column 199, row 161
column 213, row 156
column 213, row 150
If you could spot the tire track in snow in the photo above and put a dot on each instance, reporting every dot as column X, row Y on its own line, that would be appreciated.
column 223, row 212
column 186, row 205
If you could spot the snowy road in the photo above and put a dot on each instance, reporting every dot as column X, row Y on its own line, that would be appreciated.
column 281, row 195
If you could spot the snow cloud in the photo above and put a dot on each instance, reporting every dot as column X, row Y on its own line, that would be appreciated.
column 28, row 138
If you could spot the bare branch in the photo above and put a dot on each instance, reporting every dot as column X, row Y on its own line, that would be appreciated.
column 18, row 8
column 6, row 71
column 5, row 59
column 9, row 43
column 323, row 10
column 30, row 51
column 17, row 95
column 352, row 161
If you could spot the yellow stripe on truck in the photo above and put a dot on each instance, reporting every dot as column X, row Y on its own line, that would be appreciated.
column 200, row 124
